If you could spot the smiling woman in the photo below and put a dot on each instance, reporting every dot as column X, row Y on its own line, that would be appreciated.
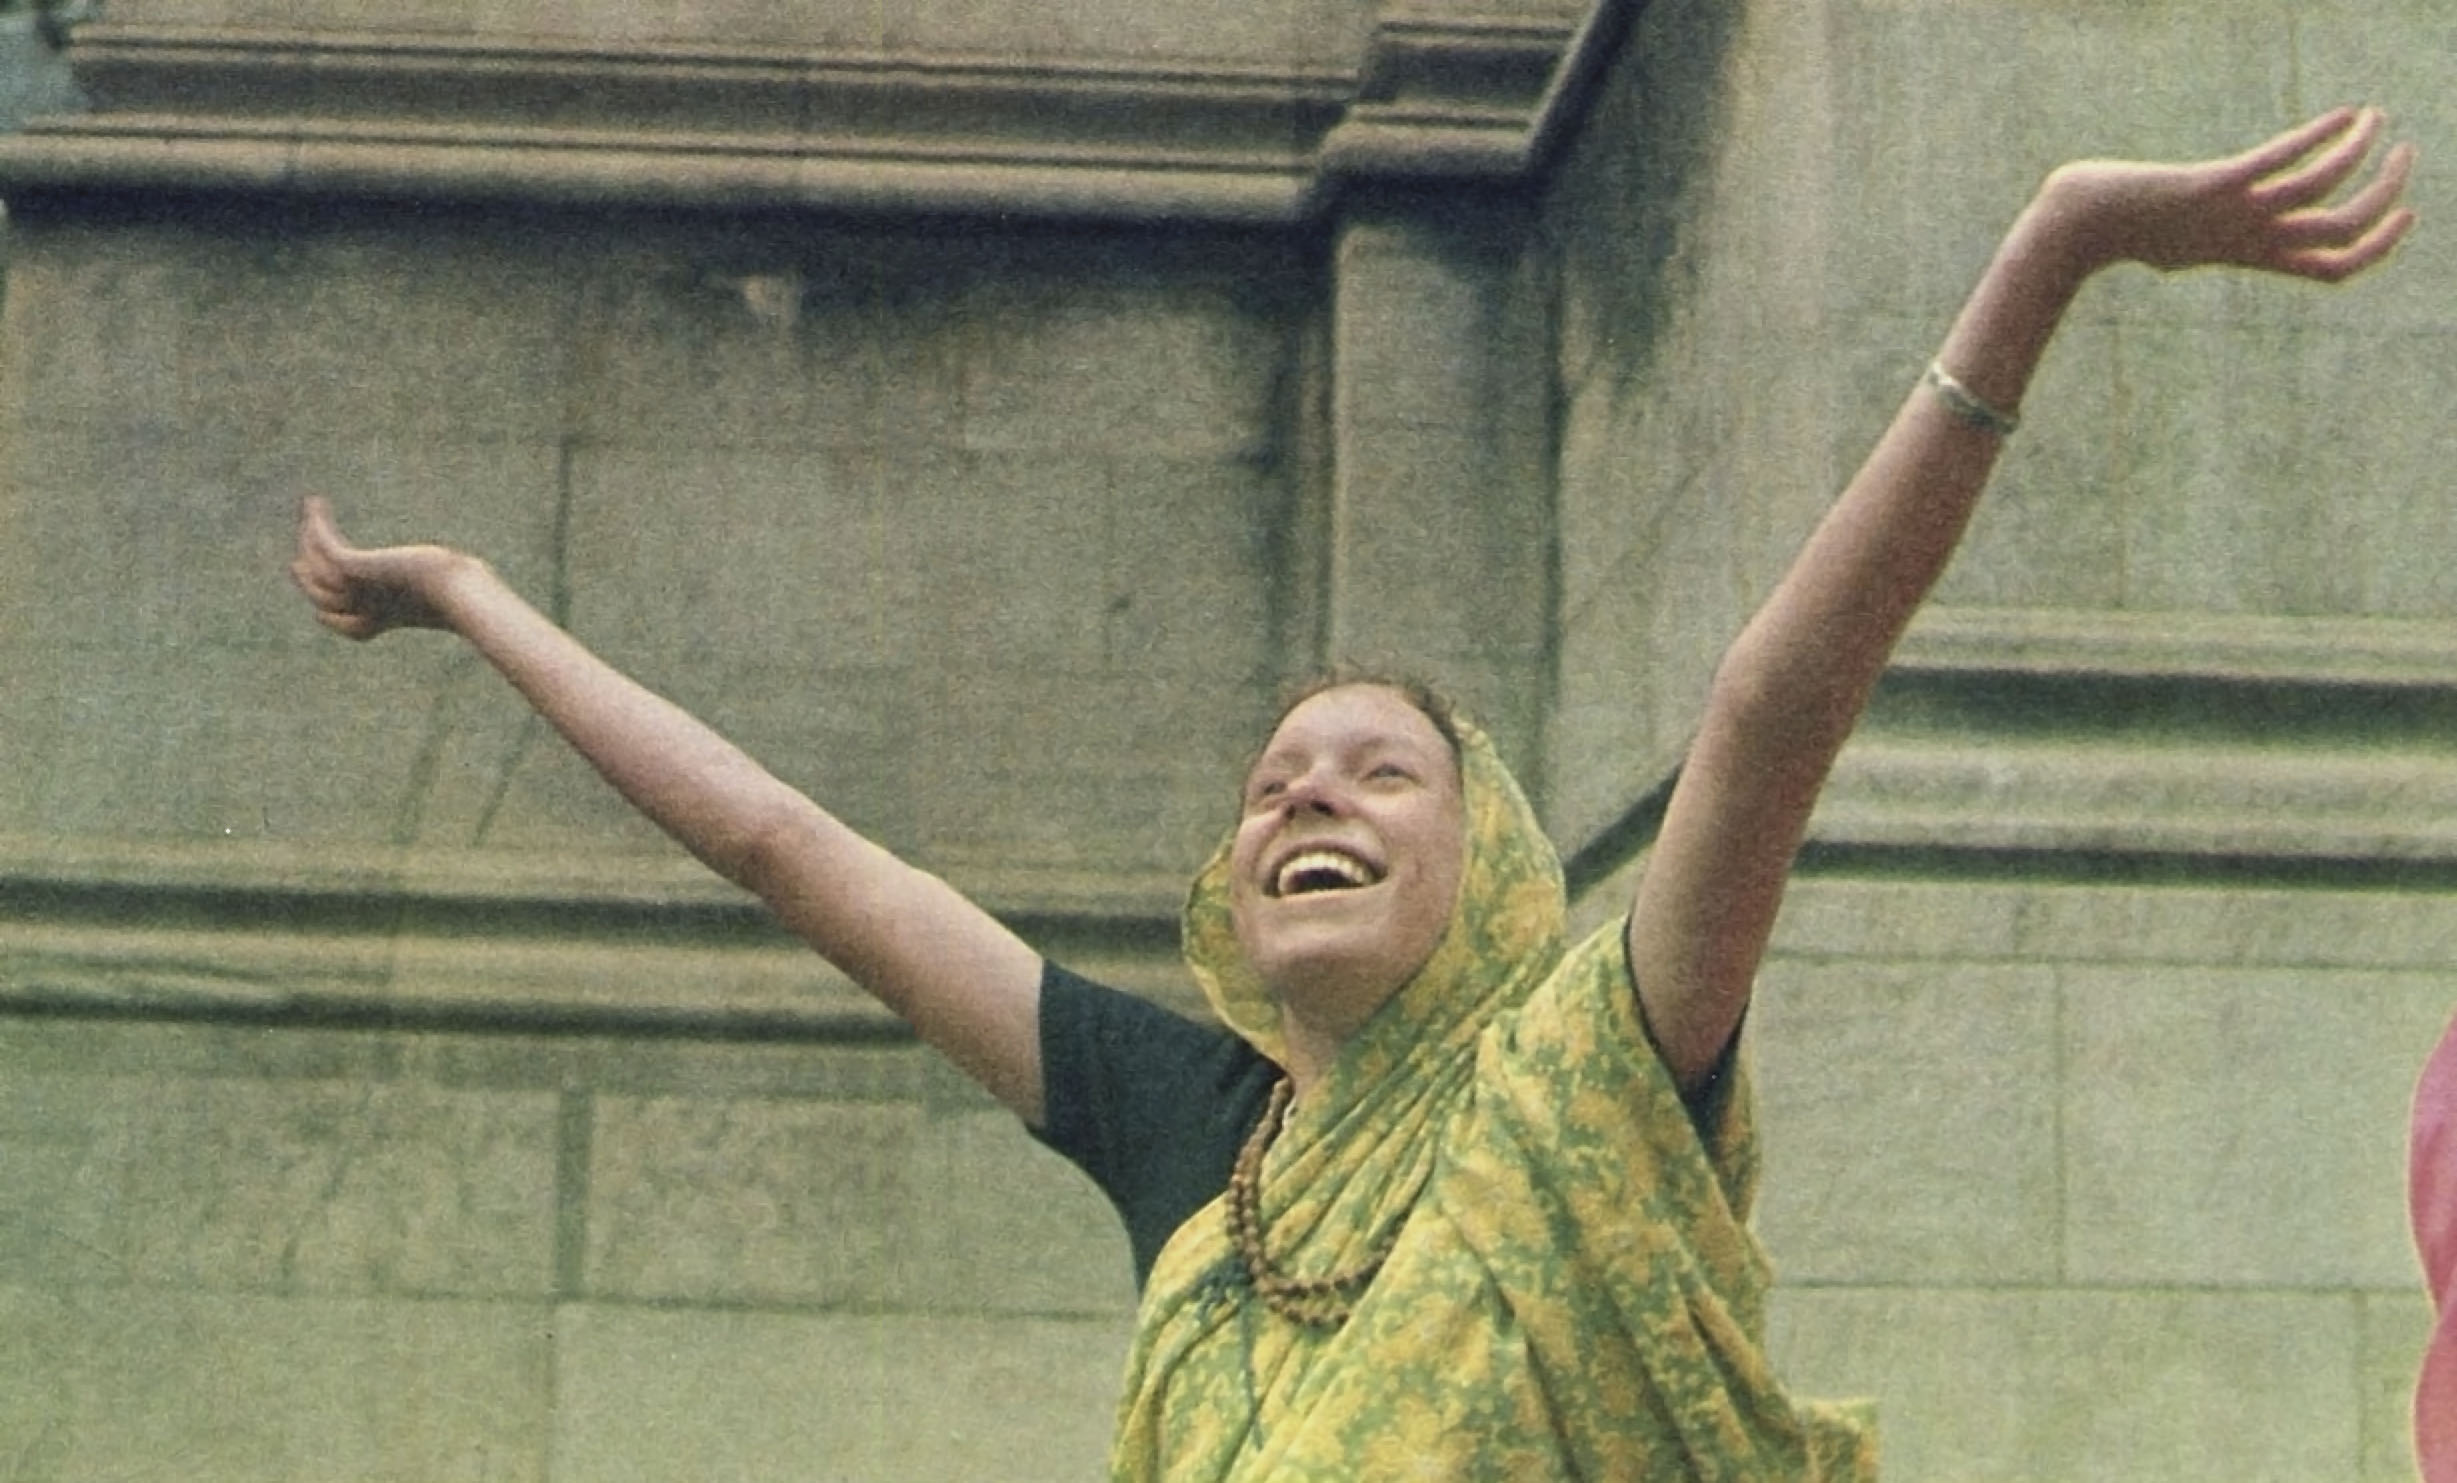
column 1449, row 1197
column 1345, row 865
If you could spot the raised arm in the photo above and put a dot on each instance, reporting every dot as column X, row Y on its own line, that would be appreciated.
column 1794, row 682
column 965, row 983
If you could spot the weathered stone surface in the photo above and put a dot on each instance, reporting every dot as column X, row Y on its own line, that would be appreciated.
column 224, row 1185
column 2076, row 1384
column 1911, row 1120
column 647, row 1394
column 134, row 1383
column 2085, row 1044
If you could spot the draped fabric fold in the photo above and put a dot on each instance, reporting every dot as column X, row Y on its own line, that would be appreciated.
column 1573, row 1292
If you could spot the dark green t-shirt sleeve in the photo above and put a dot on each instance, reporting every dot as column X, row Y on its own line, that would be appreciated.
column 1152, row 1105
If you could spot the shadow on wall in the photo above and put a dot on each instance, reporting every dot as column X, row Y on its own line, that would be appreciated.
column 34, row 77
column 1673, row 89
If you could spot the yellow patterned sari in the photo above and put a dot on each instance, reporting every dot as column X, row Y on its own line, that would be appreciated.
column 1572, row 1291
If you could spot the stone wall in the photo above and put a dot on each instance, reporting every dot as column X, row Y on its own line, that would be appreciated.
column 977, row 416
column 2124, row 929
column 383, row 1100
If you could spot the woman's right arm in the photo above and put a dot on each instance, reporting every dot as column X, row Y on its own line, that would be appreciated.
column 964, row 982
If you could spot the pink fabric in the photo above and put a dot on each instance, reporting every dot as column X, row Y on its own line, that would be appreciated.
column 2431, row 1193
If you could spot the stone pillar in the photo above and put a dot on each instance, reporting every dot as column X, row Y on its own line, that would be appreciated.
column 1441, row 513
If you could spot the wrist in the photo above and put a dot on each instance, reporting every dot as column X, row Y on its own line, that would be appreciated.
column 2054, row 237
column 455, row 586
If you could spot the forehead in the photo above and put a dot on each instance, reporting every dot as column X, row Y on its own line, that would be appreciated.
column 1353, row 716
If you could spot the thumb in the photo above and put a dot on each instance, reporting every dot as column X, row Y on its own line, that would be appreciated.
column 316, row 527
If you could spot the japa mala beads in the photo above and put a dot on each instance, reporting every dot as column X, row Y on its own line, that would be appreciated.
column 1313, row 1302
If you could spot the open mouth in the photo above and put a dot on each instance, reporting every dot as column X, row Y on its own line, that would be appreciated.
column 1312, row 872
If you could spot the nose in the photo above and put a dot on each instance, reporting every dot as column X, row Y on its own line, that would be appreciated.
column 1313, row 792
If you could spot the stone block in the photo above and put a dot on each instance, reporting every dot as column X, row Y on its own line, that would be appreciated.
column 1610, row 486
column 2045, row 1386
column 349, row 1188
column 1636, row 660
column 1193, row 575
column 759, row 1202
column 775, row 556
column 1282, row 32
column 2239, row 926
column 1829, row 918
column 2396, row 1327
column 999, row 559
column 1437, row 562
column 147, row 1384
column 348, row 322
column 647, row 1394
column 1430, row 332
column 125, row 358
column 207, row 702
column 2271, row 409
column 1187, row 370
column 2366, row 459
column 842, row 343
column 1004, row 1226
column 863, row 1205
column 2241, row 1127
column 1909, row 1116
column 1917, row 212
column 856, row 570
column 210, row 743
column 1102, row 772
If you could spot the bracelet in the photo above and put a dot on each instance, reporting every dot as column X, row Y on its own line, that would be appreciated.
column 1966, row 406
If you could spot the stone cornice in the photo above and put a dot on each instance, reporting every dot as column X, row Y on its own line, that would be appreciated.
column 2310, row 750
column 2071, row 743
column 2238, row 647
column 2237, row 740
column 390, row 114
column 278, row 930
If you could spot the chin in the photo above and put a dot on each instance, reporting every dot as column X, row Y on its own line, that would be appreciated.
column 1347, row 978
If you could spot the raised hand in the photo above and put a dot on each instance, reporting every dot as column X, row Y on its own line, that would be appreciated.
column 361, row 593
column 2270, row 208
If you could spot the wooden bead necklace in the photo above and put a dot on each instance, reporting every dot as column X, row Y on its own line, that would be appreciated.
column 1314, row 1302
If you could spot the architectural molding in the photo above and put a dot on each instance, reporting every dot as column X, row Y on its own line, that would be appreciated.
column 477, row 938
column 2242, row 647
column 310, row 113
column 2363, row 788
column 2069, row 742
column 2232, row 739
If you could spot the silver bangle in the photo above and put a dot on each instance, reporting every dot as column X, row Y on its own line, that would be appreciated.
column 1966, row 406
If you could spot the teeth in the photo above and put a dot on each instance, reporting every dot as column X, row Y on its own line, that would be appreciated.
column 1322, row 870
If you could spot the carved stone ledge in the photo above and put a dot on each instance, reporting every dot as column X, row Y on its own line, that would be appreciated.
column 375, row 113
column 2237, row 805
column 2072, row 744
column 315, row 113
column 2234, row 739
column 276, row 932
column 1453, row 97
column 2200, row 646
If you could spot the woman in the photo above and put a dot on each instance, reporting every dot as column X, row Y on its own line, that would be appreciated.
column 1457, row 1200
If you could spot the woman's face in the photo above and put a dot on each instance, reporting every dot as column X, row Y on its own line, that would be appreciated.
column 1348, row 855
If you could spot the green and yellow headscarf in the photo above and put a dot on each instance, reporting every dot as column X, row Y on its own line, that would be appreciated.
column 1573, row 1291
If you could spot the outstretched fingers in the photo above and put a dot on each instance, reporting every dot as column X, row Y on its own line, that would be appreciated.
column 2334, row 242
column 2330, row 264
column 2275, row 180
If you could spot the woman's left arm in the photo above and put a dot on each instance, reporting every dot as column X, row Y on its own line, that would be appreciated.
column 1794, row 682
